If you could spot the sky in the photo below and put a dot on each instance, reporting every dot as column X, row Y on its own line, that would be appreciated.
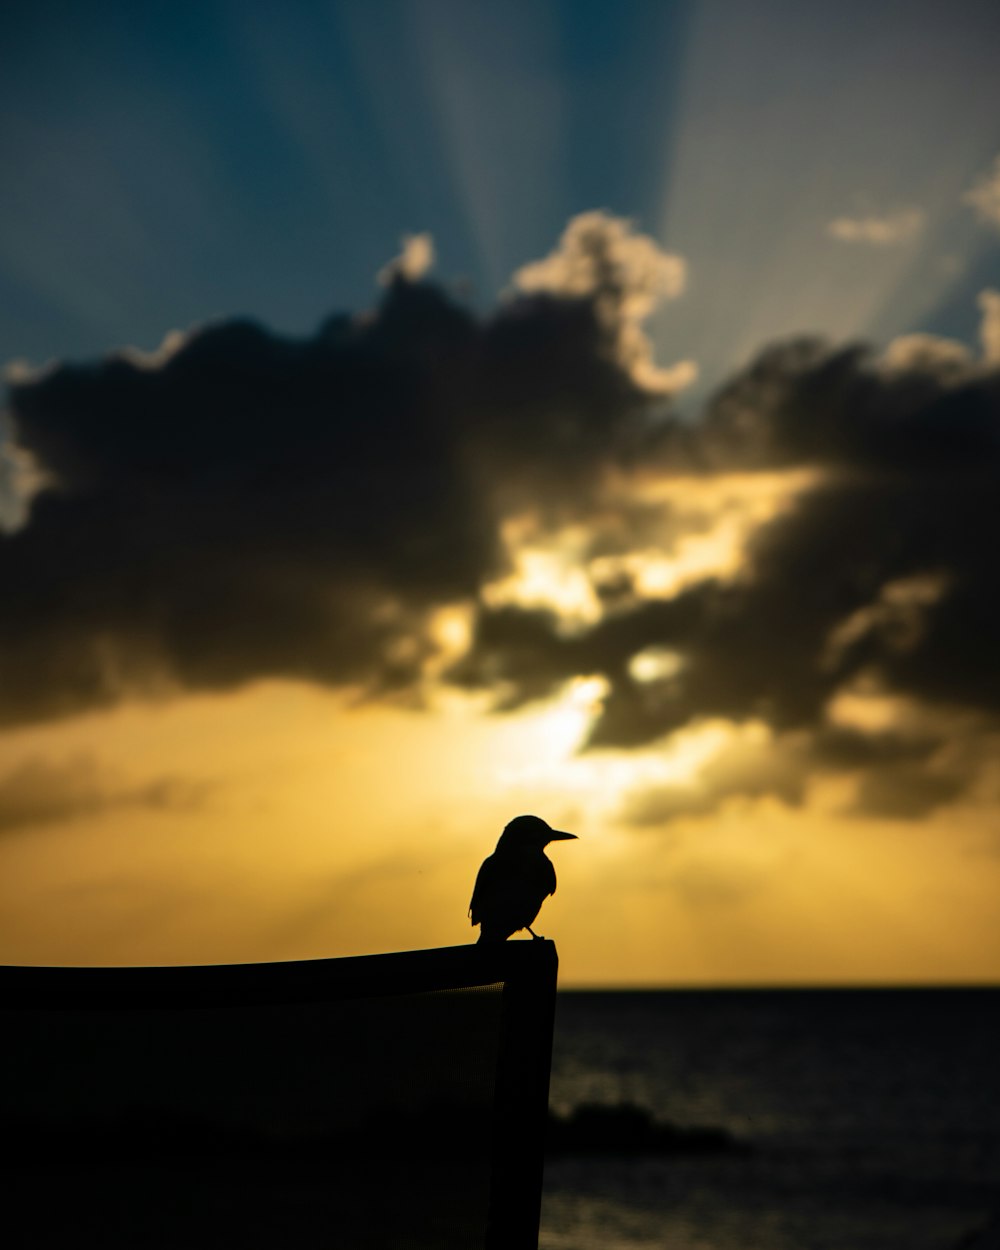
column 417, row 414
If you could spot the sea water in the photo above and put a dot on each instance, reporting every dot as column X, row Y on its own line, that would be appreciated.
column 872, row 1119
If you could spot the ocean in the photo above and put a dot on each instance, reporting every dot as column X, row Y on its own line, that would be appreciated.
column 859, row 1119
column 778, row 1120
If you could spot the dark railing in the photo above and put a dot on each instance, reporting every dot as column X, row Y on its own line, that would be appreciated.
column 395, row 1100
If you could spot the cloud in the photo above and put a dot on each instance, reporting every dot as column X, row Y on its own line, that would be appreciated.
column 751, row 764
column 38, row 792
column 984, row 196
column 906, row 791
column 248, row 506
column 880, row 571
column 19, row 480
column 245, row 505
column 989, row 330
column 413, row 263
column 887, row 230
column 626, row 276
column 893, row 772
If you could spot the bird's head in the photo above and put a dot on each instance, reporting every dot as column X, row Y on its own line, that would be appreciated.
column 530, row 831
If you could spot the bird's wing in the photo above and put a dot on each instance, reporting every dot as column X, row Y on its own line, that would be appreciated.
column 484, row 889
column 512, row 887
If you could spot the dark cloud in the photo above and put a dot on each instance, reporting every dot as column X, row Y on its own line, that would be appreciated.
column 745, row 768
column 885, row 570
column 906, row 791
column 252, row 506
column 255, row 506
column 39, row 792
column 920, row 409
column 898, row 775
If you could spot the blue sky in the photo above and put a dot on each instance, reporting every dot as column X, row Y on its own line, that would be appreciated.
column 184, row 162
column 172, row 163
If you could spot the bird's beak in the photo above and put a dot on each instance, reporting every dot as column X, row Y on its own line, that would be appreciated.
column 558, row 836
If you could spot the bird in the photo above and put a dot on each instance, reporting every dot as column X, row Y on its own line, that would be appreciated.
column 515, row 880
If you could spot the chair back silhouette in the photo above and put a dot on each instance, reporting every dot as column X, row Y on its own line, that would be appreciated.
column 384, row 1101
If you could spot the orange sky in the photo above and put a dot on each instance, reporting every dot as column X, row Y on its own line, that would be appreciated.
column 290, row 825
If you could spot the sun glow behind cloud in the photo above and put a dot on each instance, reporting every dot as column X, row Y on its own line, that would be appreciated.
column 705, row 525
column 260, row 867
column 545, row 757
column 258, row 861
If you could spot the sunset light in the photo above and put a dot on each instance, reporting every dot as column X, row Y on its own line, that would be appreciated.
column 499, row 695
column 424, row 413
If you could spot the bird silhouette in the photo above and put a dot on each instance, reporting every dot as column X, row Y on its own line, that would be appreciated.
column 515, row 880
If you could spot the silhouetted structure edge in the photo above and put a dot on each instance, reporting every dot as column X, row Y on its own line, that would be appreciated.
column 527, row 971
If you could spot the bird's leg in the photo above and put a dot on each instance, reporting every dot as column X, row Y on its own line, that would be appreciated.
column 534, row 935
